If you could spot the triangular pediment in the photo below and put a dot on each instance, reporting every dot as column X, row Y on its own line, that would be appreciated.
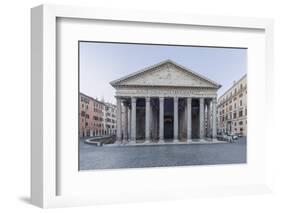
column 166, row 73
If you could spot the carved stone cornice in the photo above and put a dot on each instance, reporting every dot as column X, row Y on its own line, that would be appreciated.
column 166, row 92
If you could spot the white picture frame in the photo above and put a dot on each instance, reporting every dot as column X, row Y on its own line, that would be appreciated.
column 45, row 168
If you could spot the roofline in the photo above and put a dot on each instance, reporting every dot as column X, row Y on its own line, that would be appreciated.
column 139, row 71
column 245, row 75
column 80, row 93
column 196, row 74
column 113, row 83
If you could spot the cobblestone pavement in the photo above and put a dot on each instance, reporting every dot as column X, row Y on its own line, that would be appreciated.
column 106, row 157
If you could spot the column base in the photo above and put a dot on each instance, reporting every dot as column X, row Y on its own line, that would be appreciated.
column 131, row 141
column 161, row 141
column 147, row 141
column 188, row 140
column 118, row 142
column 175, row 141
column 125, row 141
column 202, row 140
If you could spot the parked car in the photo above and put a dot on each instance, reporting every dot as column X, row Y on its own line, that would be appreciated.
column 225, row 137
column 239, row 135
column 234, row 136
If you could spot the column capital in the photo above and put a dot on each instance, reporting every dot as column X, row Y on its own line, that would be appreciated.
column 147, row 99
column 161, row 99
column 176, row 99
column 214, row 100
column 133, row 99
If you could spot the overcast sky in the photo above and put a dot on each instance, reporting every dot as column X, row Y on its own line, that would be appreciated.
column 101, row 63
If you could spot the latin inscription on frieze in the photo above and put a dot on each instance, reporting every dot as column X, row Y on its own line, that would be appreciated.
column 200, row 92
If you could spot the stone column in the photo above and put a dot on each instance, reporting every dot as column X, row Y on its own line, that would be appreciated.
column 184, row 122
column 133, row 119
column 161, row 119
column 129, row 123
column 147, row 119
column 151, row 121
column 176, row 120
column 201, row 118
column 155, row 123
column 189, row 118
column 119, row 120
column 214, row 115
column 208, row 119
column 125, row 135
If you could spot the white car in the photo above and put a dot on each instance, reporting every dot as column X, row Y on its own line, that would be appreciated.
column 225, row 137
column 234, row 137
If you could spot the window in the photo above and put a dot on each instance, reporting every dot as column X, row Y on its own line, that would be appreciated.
column 86, row 123
column 234, row 115
column 240, row 102
column 246, row 111
column 234, row 105
column 240, row 113
column 240, row 122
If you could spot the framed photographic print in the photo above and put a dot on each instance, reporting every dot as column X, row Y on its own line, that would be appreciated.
column 130, row 106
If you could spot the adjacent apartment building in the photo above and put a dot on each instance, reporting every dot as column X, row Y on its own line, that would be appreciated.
column 96, row 118
column 232, row 109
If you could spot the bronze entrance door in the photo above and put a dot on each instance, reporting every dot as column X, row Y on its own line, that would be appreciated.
column 168, row 127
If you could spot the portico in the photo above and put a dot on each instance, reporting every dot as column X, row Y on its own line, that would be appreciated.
column 165, row 102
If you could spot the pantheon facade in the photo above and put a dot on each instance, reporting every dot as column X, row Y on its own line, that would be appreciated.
column 165, row 102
